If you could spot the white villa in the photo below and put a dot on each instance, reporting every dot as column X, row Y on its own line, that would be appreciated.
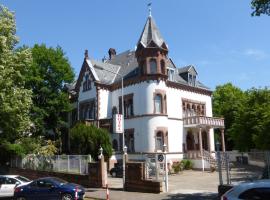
column 163, row 103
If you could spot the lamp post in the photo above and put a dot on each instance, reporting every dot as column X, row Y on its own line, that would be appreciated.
column 122, row 107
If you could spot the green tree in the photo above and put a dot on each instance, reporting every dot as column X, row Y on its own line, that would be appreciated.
column 227, row 100
column 47, row 76
column 251, row 127
column 88, row 140
column 260, row 7
column 15, row 100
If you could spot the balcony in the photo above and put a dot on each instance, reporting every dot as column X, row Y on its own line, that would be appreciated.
column 201, row 121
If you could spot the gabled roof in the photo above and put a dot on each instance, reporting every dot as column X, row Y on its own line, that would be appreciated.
column 106, row 77
column 189, row 68
column 125, row 64
column 150, row 35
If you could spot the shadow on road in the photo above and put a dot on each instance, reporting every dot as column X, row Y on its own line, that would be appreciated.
column 194, row 196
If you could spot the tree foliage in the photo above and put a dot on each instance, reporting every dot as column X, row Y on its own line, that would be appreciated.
column 15, row 99
column 247, row 116
column 46, row 78
column 251, row 127
column 88, row 140
column 260, row 7
column 227, row 100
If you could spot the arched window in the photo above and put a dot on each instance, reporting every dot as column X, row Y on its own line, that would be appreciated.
column 158, row 103
column 159, row 141
column 87, row 83
column 153, row 66
column 162, row 66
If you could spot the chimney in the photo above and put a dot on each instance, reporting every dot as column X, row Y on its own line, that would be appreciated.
column 86, row 54
column 112, row 53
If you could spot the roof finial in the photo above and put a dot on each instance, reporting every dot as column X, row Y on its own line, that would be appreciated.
column 86, row 54
column 149, row 9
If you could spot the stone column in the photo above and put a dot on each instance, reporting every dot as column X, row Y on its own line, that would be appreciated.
column 208, row 140
column 223, row 140
column 200, row 141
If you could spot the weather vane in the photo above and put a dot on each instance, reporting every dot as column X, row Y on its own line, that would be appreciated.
column 149, row 8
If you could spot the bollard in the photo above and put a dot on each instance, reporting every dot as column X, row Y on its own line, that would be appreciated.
column 107, row 192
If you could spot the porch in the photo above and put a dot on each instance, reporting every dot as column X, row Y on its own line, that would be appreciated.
column 198, row 136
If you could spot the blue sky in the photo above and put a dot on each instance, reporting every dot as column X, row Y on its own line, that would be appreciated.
column 220, row 38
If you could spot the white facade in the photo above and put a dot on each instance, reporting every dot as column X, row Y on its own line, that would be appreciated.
column 163, row 104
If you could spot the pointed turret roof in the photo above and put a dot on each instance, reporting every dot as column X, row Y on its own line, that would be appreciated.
column 151, row 34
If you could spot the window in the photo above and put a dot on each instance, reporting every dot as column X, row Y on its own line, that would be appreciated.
column 158, row 103
column 159, row 141
column 10, row 181
column 115, row 145
column 87, row 110
column 153, row 66
column 170, row 73
column 87, row 83
column 191, row 79
column 129, row 140
column 128, row 105
column 163, row 68
column 256, row 193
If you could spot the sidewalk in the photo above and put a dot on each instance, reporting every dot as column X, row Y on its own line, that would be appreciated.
column 188, row 185
column 114, row 194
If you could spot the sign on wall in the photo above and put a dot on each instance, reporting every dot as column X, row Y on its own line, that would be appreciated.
column 118, row 123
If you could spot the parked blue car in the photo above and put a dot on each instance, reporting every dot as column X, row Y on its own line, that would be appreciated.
column 49, row 188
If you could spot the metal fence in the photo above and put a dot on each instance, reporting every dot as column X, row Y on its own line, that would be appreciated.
column 57, row 163
column 235, row 167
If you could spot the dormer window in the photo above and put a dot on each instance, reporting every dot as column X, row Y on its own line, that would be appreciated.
column 191, row 79
column 87, row 83
column 153, row 66
column 170, row 73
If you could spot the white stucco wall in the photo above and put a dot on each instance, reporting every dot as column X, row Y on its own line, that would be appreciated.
column 143, row 104
column 105, row 104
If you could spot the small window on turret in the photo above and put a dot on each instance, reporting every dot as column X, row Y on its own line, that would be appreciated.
column 153, row 66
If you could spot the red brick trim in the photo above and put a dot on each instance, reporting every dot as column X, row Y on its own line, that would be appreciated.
column 188, row 88
column 164, row 131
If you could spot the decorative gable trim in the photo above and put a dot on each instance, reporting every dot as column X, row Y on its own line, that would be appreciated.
column 84, row 69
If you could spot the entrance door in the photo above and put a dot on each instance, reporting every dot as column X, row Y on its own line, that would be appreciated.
column 190, row 141
column 204, row 140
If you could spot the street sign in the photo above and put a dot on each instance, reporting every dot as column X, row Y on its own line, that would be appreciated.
column 118, row 123
column 160, row 157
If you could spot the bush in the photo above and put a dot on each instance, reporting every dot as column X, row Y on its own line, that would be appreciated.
column 177, row 167
column 187, row 164
column 86, row 139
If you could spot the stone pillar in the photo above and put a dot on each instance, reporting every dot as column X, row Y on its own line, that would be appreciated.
column 102, row 172
column 223, row 140
column 200, row 141
column 208, row 140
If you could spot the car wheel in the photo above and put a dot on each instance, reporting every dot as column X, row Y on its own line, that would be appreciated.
column 21, row 198
column 66, row 197
column 113, row 174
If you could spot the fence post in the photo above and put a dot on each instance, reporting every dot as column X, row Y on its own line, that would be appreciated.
column 267, row 163
column 58, row 162
column 227, row 167
column 68, row 163
column 219, row 167
column 80, row 164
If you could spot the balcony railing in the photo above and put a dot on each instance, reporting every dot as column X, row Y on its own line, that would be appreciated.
column 203, row 121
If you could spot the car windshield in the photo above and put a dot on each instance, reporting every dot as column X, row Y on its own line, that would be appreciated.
column 59, row 181
column 23, row 179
